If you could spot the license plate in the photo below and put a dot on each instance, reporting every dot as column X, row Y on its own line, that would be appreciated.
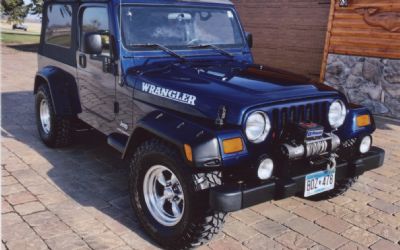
column 319, row 182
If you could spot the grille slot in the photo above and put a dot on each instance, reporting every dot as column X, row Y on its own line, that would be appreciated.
column 314, row 112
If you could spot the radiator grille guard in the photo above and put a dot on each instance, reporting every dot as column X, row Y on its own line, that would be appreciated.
column 284, row 119
column 311, row 112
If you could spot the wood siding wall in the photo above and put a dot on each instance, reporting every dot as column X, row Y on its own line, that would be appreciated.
column 366, row 28
column 288, row 34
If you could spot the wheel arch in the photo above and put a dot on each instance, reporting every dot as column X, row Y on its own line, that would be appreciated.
column 63, row 89
column 139, row 136
column 177, row 132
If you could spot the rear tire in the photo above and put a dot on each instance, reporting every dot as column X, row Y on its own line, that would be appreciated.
column 54, row 130
column 159, row 165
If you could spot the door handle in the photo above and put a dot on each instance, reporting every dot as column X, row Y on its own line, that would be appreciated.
column 82, row 60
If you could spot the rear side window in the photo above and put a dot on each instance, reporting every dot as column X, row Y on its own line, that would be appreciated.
column 59, row 23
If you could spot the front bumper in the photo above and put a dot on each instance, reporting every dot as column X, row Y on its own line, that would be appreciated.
column 235, row 197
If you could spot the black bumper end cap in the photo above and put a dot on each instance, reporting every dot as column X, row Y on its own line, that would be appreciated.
column 233, row 198
column 371, row 160
column 226, row 199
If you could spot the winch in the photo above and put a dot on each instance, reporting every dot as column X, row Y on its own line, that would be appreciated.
column 308, row 139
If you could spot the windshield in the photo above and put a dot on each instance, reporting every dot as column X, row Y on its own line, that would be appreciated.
column 179, row 27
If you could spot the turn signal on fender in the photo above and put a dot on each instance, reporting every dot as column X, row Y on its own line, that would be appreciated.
column 188, row 152
column 233, row 145
column 363, row 120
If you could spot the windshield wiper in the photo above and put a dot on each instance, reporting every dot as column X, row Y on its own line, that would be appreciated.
column 159, row 46
column 221, row 51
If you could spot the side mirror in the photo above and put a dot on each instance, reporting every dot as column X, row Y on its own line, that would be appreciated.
column 92, row 44
column 249, row 39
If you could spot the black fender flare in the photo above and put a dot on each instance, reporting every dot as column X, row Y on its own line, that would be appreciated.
column 178, row 132
column 63, row 89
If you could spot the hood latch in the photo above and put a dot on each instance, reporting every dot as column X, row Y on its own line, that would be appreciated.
column 221, row 116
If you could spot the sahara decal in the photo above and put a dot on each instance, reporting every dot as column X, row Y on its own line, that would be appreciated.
column 169, row 94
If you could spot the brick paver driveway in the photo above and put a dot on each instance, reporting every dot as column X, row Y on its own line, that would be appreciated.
column 77, row 198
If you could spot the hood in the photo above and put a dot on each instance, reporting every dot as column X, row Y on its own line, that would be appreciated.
column 201, row 89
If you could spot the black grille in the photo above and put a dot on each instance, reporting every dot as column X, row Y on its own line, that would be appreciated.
column 312, row 112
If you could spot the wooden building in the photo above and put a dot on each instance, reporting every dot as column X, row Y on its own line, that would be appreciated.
column 288, row 34
column 352, row 45
column 362, row 53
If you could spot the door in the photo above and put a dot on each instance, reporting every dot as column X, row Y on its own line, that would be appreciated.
column 96, row 80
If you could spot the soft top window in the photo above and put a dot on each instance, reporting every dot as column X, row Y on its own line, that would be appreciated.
column 58, row 28
column 95, row 20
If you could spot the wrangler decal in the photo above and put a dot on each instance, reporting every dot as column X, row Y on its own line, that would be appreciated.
column 169, row 94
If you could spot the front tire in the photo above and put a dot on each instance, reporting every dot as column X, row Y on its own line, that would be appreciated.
column 54, row 130
column 165, row 201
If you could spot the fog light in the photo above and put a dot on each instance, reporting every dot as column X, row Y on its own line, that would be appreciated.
column 265, row 169
column 365, row 144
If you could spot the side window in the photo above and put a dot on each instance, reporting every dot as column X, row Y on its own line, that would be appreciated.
column 58, row 28
column 95, row 19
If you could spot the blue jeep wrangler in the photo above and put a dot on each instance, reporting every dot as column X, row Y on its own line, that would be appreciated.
column 173, row 86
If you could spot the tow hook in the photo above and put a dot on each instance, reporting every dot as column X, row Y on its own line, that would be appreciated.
column 331, row 162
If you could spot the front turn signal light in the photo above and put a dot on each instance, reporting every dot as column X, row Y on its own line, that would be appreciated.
column 233, row 145
column 188, row 152
column 363, row 120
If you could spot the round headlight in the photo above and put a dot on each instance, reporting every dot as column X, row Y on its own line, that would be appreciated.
column 337, row 114
column 257, row 127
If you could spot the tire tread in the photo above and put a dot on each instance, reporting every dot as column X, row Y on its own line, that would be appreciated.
column 62, row 132
column 209, row 222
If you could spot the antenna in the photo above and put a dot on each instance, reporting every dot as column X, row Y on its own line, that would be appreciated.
column 120, row 82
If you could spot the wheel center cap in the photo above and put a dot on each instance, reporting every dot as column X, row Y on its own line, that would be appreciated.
column 168, row 192
column 175, row 189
